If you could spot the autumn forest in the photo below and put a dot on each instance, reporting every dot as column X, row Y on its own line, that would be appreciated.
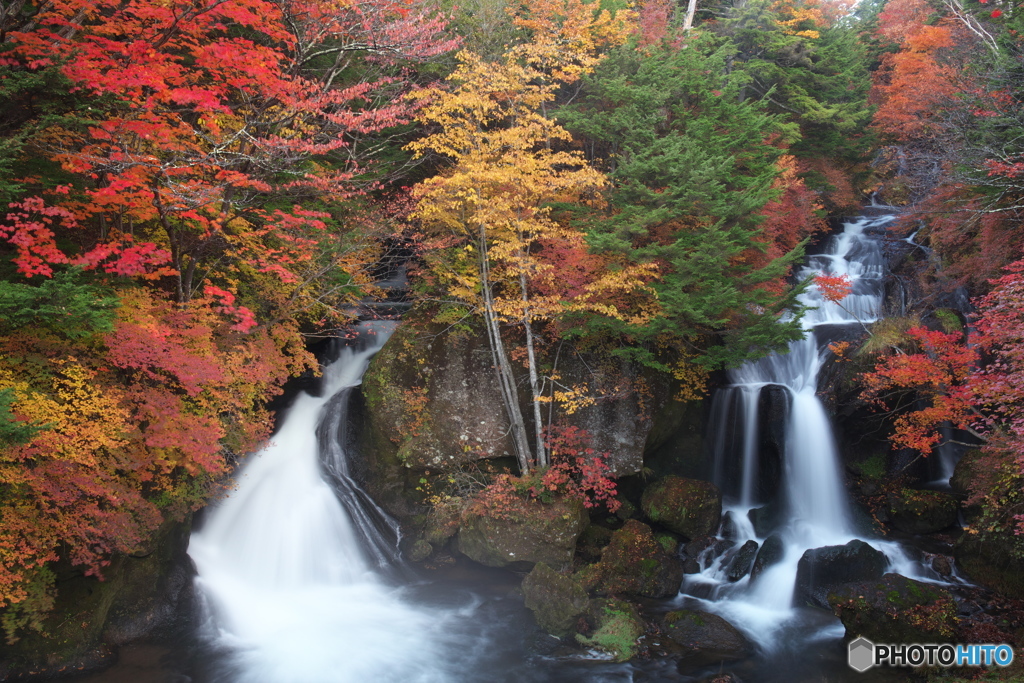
column 197, row 193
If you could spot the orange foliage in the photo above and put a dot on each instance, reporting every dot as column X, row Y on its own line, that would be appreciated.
column 794, row 215
column 912, row 85
column 135, row 426
column 975, row 244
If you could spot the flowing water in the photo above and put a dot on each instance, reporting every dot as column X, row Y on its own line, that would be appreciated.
column 295, row 575
column 809, row 493
column 296, row 566
column 289, row 568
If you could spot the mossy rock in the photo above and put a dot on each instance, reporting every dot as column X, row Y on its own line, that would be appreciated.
column 557, row 600
column 529, row 533
column 420, row 551
column 432, row 402
column 146, row 595
column 689, row 507
column 921, row 512
column 705, row 638
column 895, row 609
column 431, row 394
column 993, row 560
column 635, row 563
column 619, row 626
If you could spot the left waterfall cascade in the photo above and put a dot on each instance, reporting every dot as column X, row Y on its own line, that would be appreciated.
column 288, row 563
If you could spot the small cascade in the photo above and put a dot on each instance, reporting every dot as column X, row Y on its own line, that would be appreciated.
column 809, row 506
column 287, row 561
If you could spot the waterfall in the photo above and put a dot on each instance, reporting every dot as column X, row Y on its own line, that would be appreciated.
column 287, row 561
column 812, row 499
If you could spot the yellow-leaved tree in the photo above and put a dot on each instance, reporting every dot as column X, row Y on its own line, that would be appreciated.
column 509, row 165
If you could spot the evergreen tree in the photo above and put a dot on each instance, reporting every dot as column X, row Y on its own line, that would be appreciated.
column 693, row 162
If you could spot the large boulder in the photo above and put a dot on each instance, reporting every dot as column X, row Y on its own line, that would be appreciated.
column 432, row 397
column 525, row 533
column 921, row 512
column 895, row 609
column 705, row 638
column 557, row 600
column 823, row 570
column 432, row 402
column 689, row 507
column 635, row 563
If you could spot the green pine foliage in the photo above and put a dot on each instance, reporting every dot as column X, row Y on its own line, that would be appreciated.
column 693, row 162
column 65, row 304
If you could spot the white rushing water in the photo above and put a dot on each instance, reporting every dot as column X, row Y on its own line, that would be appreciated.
column 288, row 571
column 814, row 503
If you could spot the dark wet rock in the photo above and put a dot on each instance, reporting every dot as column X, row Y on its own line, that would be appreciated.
column 921, row 512
column 767, row 518
column 742, row 561
column 966, row 471
column 675, row 444
column 432, row 394
column 822, row 570
column 992, row 560
column 773, row 407
column 634, row 563
column 722, row 678
column 942, row 565
column 442, row 523
column 533, row 532
column 420, row 551
column 730, row 530
column 557, row 600
column 146, row 595
column 689, row 507
column 705, row 638
column 626, row 509
column 619, row 626
column 866, row 524
column 895, row 609
column 770, row 553
column 870, row 487
column 701, row 552
column 592, row 542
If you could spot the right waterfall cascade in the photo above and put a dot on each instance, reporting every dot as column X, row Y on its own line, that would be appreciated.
column 797, row 494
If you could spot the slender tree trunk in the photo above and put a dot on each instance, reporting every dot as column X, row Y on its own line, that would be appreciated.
column 535, row 388
column 506, row 378
column 691, row 9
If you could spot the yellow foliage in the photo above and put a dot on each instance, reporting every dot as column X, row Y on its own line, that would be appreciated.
column 693, row 379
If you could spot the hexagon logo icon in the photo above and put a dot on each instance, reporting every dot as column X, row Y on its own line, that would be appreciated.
column 861, row 655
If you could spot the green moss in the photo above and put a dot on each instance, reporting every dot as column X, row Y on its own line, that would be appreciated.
column 948, row 320
column 669, row 543
column 873, row 467
column 619, row 631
